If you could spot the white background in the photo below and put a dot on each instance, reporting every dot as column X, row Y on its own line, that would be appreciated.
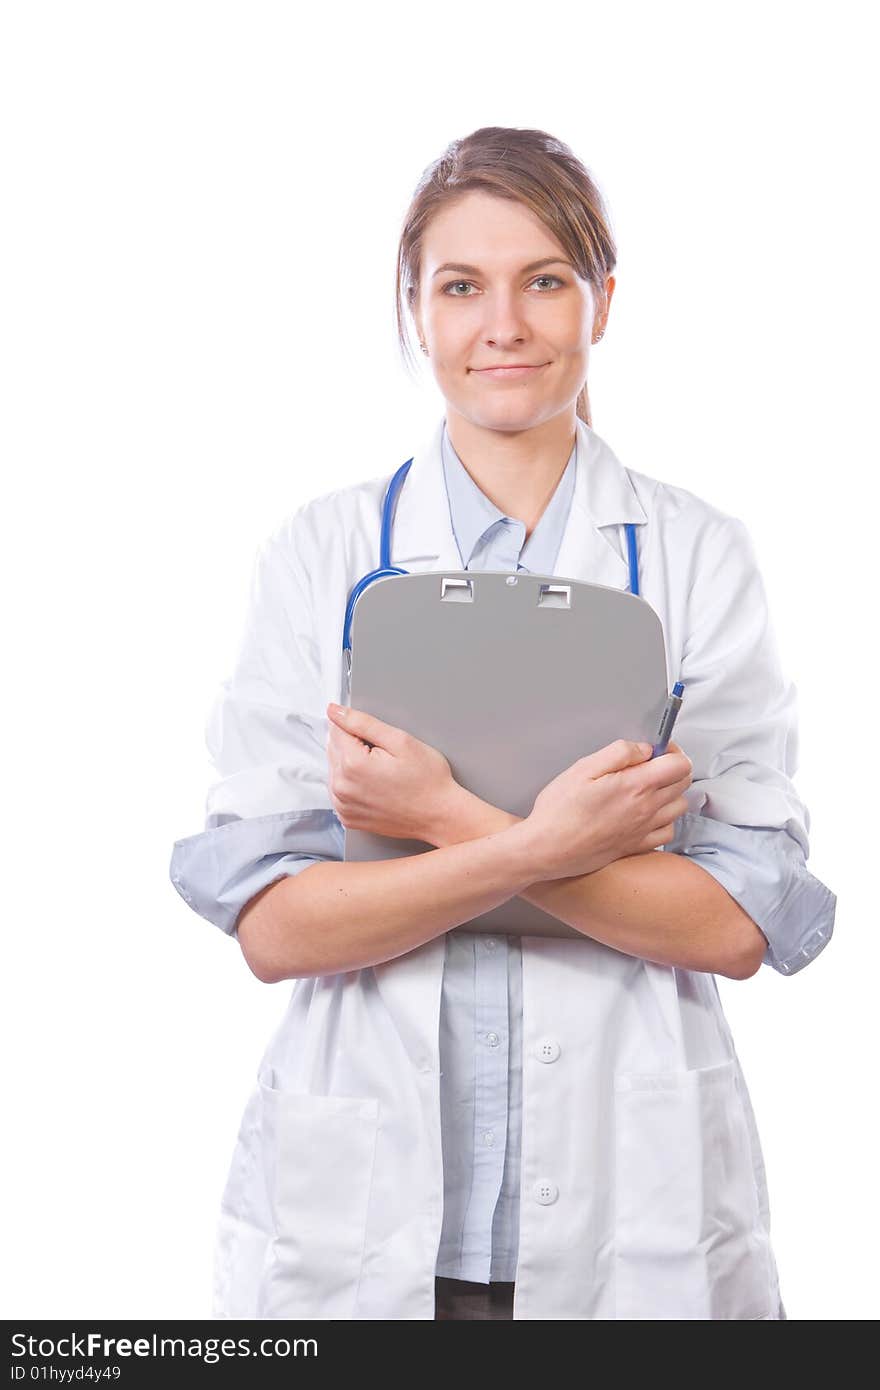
column 202, row 204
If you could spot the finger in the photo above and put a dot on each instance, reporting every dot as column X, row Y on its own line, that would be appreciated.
column 674, row 748
column 366, row 727
column 619, row 754
column 665, row 772
column 343, row 746
column 669, row 811
column 661, row 835
column 679, row 751
column 676, row 788
column 334, row 745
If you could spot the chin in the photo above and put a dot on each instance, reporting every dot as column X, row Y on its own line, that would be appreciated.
column 521, row 415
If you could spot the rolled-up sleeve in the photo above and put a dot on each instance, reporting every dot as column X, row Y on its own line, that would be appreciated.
column 268, row 813
column 746, row 824
column 765, row 872
column 218, row 871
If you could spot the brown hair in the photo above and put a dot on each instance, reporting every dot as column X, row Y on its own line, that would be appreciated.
column 527, row 166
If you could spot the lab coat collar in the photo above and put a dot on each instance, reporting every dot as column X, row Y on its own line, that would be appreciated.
column 423, row 539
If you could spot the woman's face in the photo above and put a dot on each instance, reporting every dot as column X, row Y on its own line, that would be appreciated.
column 484, row 304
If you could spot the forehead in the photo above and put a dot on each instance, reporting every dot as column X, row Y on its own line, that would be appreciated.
column 482, row 229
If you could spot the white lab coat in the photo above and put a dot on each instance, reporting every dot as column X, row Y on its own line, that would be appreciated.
column 643, row 1186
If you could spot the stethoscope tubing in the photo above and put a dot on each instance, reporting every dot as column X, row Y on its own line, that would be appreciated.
column 386, row 568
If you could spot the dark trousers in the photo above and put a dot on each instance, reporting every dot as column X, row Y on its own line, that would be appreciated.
column 461, row 1299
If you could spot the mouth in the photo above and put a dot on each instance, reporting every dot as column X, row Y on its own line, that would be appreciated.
column 509, row 373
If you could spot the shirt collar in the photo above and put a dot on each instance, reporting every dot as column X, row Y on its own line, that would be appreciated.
column 472, row 513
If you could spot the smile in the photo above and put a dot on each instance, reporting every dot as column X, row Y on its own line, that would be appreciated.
column 509, row 373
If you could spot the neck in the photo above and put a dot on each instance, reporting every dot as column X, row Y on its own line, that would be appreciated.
column 518, row 470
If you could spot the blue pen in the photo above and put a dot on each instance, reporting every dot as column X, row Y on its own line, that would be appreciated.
column 670, row 714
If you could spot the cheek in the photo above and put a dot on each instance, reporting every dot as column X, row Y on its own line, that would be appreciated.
column 453, row 321
column 573, row 319
column 451, row 340
column 577, row 357
column 574, row 343
column 574, row 332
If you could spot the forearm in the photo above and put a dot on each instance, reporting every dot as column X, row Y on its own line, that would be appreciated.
column 337, row 916
column 658, row 906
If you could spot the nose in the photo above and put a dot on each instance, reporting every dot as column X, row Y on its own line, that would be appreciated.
column 504, row 323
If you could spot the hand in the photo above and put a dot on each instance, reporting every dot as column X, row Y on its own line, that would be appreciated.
column 615, row 802
column 383, row 779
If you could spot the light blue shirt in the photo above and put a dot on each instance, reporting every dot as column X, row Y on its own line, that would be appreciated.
column 481, row 996
column 481, row 999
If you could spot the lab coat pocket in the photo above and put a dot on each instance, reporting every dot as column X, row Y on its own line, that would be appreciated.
column 689, row 1239
column 318, row 1152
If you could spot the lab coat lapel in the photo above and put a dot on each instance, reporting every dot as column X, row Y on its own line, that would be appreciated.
column 603, row 497
column 423, row 540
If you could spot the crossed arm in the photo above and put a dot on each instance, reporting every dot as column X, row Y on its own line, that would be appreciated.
column 658, row 906
column 340, row 916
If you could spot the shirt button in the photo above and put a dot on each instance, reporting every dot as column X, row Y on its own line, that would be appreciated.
column 490, row 943
column 489, row 1136
column 546, row 1049
column 545, row 1191
column 492, row 1039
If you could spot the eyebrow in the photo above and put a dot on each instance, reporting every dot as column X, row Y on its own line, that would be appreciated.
column 475, row 270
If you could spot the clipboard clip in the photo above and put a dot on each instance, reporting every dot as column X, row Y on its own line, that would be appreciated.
column 457, row 590
column 554, row 596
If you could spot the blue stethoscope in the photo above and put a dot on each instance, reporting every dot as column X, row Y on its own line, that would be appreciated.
column 386, row 567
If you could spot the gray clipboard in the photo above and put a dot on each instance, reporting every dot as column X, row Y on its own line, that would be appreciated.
column 513, row 677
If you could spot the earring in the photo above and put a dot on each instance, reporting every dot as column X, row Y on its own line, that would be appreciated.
column 599, row 335
column 424, row 349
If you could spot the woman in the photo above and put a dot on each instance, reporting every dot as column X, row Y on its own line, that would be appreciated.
column 463, row 1126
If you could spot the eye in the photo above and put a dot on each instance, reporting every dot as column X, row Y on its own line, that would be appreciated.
column 454, row 284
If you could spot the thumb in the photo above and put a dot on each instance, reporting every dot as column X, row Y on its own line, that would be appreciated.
column 623, row 752
column 362, row 725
